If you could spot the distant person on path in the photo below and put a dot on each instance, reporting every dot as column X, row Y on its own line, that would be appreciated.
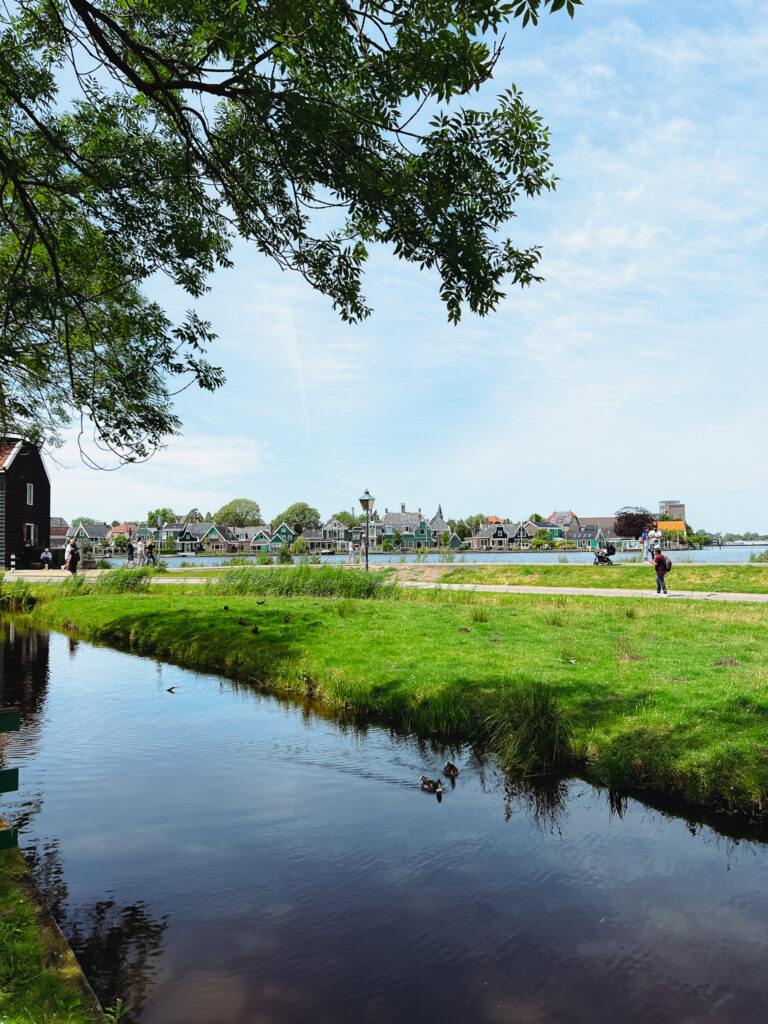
column 350, row 552
column 140, row 552
column 151, row 552
column 74, row 558
column 129, row 554
column 45, row 559
column 660, row 565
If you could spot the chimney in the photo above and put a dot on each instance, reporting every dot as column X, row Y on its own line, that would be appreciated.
column 402, row 508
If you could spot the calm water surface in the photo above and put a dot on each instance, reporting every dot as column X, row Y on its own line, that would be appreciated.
column 217, row 856
column 726, row 555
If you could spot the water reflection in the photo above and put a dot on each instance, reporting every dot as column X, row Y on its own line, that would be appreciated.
column 217, row 856
column 118, row 946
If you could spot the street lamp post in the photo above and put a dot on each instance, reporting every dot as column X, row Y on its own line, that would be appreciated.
column 367, row 501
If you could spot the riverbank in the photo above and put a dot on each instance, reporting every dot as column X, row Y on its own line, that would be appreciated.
column 40, row 979
column 665, row 698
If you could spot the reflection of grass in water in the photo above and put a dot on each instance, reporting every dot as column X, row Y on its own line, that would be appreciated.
column 673, row 721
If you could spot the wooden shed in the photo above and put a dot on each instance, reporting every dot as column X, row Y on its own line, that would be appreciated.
column 25, row 502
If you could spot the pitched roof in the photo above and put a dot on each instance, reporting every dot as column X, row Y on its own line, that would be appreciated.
column 401, row 520
column 566, row 518
column 493, row 519
column 8, row 450
column 92, row 531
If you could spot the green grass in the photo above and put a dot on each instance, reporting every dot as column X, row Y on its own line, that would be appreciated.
column 738, row 579
column 30, row 993
column 645, row 705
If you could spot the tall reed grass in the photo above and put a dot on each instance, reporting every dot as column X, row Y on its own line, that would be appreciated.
column 302, row 580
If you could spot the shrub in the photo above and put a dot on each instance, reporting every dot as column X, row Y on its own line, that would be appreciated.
column 528, row 729
column 299, row 546
column 284, row 556
column 755, row 557
column 264, row 557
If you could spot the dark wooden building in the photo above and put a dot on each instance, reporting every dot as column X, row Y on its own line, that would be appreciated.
column 25, row 502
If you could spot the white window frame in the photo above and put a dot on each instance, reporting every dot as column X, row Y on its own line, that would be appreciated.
column 30, row 494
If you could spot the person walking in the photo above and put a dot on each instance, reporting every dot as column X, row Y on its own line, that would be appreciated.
column 151, row 552
column 74, row 558
column 350, row 552
column 129, row 554
column 660, row 565
column 140, row 552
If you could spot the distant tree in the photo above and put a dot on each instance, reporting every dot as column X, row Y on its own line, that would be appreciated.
column 299, row 546
column 83, row 519
column 444, row 538
column 300, row 517
column 115, row 522
column 239, row 512
column 633, row 521
column 348, row 520
column 120, row 542
column 166, row 514
column 475, row 522
column 534, row 517
column 397, row 539
column 193, row 516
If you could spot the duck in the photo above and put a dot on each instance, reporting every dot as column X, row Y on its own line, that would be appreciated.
column 254, row 629
column 241, row 621
column 431, row 785
column 286, row 618
column 450, row 771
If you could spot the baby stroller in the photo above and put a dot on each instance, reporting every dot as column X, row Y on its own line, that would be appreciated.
column 603, row 556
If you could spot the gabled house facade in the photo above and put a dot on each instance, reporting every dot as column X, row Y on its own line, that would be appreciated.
column 59, row 528
column 282, row 535
column 334, row 534
column 25, row 502
column 89, row 535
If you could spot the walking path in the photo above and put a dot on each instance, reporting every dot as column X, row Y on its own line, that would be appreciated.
column 498, row 588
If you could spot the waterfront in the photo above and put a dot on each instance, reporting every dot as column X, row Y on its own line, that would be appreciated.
column 218, row 855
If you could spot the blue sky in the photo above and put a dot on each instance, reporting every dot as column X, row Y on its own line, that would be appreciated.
column 636, row 372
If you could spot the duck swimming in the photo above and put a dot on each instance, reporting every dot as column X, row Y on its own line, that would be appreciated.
column 450, row 771
column 431, row 785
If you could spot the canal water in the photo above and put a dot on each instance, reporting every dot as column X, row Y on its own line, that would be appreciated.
column 729, row 554
column 217, row 856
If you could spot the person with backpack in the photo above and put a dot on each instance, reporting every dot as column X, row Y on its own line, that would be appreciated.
column 74, row 558
column 129, row 554
column 662, row 565
column 150, row 549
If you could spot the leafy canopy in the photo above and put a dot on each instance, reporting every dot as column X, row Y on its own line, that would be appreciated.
column 165, row 515
column 239, row 512
column 300, row 517
column 313, row 128
column 633, row 521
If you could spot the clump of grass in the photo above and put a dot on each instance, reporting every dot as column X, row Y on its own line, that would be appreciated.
column 16, row 596
column 630, row 612
column 345, row 608
column 562, row 559
column 302, row 580
column 480, row 614
column 553, row 618
column 116, row 581
column 568, row 650
column 528, row 729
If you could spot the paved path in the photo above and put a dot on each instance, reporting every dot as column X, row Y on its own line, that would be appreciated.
column 498, row 588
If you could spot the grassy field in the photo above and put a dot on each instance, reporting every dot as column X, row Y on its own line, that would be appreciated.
column 30, row 992
column 738, row 579
column 666, row 697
